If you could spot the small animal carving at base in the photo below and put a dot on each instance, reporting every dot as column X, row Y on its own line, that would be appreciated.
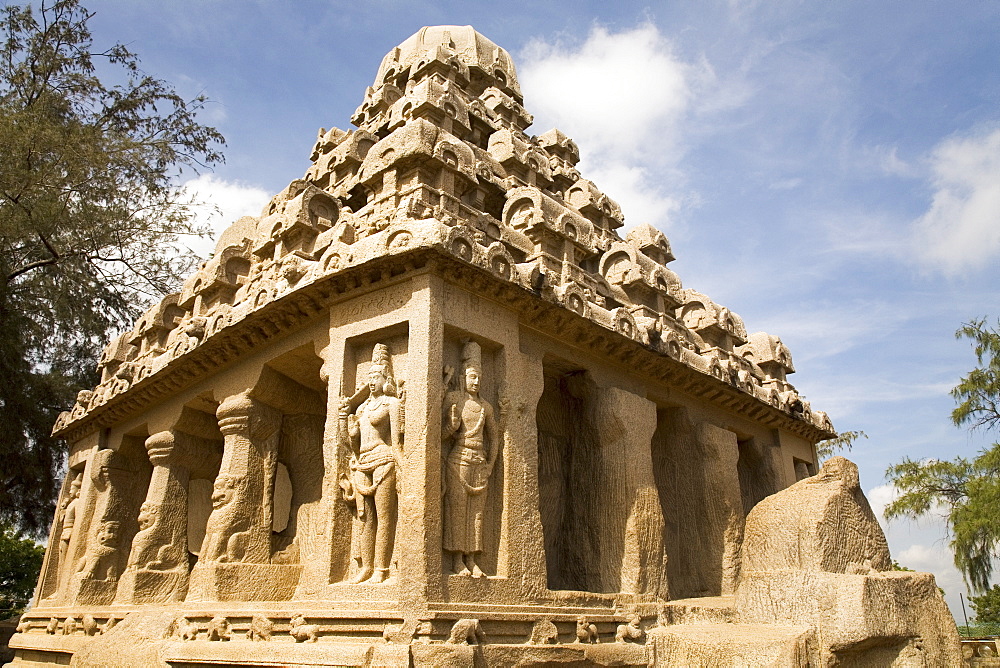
column 630, row 631
column 108, row 625
column 183, row 629
column 90, row 626
column 466, row 632
column 544, row 632
column 52, row 626
column 69, row 626
column 218, row 628
column 585, row 631
column 23, row 625
column 261, row 629
column 301, row 631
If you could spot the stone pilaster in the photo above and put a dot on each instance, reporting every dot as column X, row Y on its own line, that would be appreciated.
column 93, row 578
column 157, row 569
column 723, row 517
column 626, row 423
column 238, row 534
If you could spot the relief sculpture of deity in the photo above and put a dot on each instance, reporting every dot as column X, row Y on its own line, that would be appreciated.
column 372, row 429
column 69, row 510
column 470, row 424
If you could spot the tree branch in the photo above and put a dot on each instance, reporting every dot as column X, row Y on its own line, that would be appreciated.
column 30, row 266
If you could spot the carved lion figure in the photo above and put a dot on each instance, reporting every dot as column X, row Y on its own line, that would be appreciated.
column 301, row 631
column 630, row 631
column 261, row 628
column 218, row 628
column 101, row 559
column 585, row 631
column 222, row 542
column 184, row 629
column 544, row 632
column 148, row 550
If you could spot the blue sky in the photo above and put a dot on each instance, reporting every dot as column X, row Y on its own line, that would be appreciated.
column 830, row 171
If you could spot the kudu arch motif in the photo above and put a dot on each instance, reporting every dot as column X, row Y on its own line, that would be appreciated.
column 431, row 407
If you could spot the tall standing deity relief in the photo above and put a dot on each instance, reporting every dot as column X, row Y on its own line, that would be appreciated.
column 470, row 425
column 69, row 512
column 69, row 508
column 371, row 425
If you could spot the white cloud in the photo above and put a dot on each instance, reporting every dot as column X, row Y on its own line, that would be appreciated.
column 785, row 184
column 930, row 558
column 219, row 204
column 888, row 161
column 822, row 329
column 961, row 230
column 838, row 395
column 880, row 497
column 612, row 92
column 635, row 189
column 623, row 97
column 872, row 233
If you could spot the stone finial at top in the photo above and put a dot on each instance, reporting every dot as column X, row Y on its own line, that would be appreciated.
column 485, row 63
column 558, row 144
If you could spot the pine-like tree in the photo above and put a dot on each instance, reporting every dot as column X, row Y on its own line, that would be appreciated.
column 967, row 490
column 89, row 221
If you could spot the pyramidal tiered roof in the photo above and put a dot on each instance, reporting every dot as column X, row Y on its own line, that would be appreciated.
column 440, row 160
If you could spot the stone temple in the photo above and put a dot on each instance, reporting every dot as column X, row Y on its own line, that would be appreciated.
column 434, row 407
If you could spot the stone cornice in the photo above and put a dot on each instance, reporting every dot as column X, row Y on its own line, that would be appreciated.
column 299, row 307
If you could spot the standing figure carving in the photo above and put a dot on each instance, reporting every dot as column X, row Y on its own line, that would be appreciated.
column 469, row 422
column 372, row 429
column 69, row 519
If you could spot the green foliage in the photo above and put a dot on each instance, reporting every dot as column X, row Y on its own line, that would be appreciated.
column 966, row 491
column 979, row 630
column 978, row 393
column 20, row 562
column 987, row 606
column 89, row 225
column 842, row 441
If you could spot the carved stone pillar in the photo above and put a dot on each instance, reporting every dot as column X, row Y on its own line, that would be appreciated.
column 157, row 570
column 626, row 423
column 93, row 578
column 238, row 534
column 723, row 517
